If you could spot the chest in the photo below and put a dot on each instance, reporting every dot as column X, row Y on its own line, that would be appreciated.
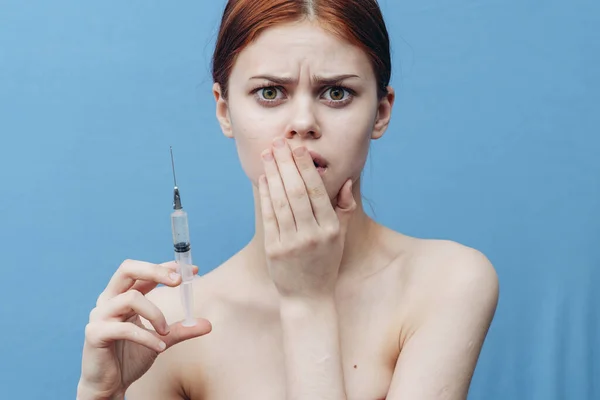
column 244, row 358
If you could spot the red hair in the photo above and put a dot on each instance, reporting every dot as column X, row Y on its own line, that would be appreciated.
column 357, row 21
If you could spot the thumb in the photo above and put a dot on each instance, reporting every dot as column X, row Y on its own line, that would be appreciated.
column 179, row 333
column 345, row 203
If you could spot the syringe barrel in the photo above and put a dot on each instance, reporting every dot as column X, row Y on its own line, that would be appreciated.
column 179, row 225
column 181, row 243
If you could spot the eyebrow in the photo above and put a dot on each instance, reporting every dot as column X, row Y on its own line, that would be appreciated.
column 317, row 80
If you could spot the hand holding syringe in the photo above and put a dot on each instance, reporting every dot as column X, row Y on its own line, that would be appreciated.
column 183, row 253
column 119, row 347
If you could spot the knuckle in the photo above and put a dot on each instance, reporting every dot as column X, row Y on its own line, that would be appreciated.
column 274, row 252
column 92, row 335
column 271, row 174
column 279, row 204
column 134, row 296
column 127, row 268
column 271, row 253
column 297, row 192
column 317, row 192
column 331, row 233
column 100, row 299
column 93, row 314
column 292, row 249
column 310, row 242
column 160, row 271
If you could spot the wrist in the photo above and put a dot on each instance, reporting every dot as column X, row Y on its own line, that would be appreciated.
column 306, row 306
column 85, row 392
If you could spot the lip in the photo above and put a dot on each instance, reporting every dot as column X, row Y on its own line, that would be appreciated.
column 319, row 159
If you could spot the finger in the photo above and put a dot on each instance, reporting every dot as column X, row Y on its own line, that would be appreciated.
column 179, row 333
column 126, row 304
column 345, row 205
column 294, row 186
column 146, row 287
column 102, row 334
column 130, row 271
column 317, row 193
column 279, row 201
column 268, row 214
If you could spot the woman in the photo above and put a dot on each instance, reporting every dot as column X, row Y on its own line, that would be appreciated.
column 323, row 303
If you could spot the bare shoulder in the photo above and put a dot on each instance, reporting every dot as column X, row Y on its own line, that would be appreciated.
column 442, row 274
column 439, row 264
column 440, row 268
column 451, row 264
column 450, row 291
column 460, row 270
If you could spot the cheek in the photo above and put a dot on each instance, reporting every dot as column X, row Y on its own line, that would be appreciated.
column 351, row 146
column 252, row 136
column 251, row 162
column 353, row 136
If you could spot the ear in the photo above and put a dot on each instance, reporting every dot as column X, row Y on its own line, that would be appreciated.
column 222, row 111
column 384, row 114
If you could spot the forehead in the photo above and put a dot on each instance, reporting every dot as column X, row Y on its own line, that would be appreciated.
column 287, row 49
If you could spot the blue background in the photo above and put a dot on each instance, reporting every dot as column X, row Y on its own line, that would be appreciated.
column 494, row 143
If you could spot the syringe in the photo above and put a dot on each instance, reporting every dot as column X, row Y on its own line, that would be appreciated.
column 183, row 253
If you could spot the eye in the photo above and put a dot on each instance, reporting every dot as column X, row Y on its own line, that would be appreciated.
column 338, row 95
column 269, row 93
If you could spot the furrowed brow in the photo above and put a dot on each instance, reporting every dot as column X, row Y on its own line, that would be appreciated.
column 275, row 79
column 316, row 80
column 331, row 80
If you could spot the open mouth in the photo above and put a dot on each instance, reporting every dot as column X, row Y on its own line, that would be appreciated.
column 319, row 162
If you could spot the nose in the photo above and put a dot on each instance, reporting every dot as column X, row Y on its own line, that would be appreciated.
column 303, row 121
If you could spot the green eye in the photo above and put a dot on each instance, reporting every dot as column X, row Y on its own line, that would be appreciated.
column 269, row 93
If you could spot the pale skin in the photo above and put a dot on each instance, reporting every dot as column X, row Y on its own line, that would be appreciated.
column 323, row 303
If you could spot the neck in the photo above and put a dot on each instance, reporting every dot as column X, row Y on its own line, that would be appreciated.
column 360, row 236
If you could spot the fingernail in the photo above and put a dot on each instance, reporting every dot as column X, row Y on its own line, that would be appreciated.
column 279, row 142
column 174, row 276
column 162, row 346
column 268, row 156
column 300, row 151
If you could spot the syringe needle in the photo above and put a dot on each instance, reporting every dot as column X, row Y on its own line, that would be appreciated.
column 173, row 166
column 176, row 196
